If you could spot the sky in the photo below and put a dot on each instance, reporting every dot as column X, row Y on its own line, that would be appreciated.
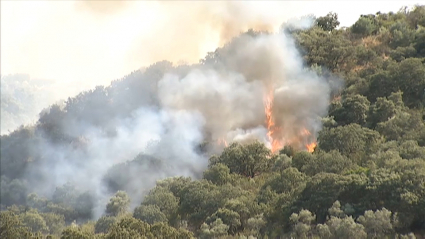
column 82, row 44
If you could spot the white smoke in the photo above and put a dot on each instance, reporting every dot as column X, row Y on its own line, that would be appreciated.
column 181, row 111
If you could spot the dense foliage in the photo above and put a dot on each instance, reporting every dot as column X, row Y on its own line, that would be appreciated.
column 365, row 179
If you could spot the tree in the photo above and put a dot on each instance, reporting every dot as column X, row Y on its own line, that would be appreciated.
column 165, row 201
column 323, row 189
column 365, row 26
column 229, row 217
column 411, row 150
column 55, row 222
column 377, row 224
column 403, row 125
column 288, row 181
column 331, row 162
column 328, row 22
column 34, row 221
column 402, row 35
column 73, row 232
column 216, row 229
column 381, row 111
column 332, row 51
column 302, row 224
column 354, row 109
column 198, row 200
column 419, row 41
column 12, row 227
column 118, row 204
column 129, row 227
column 416, row 18
column 255, row 224
column 218, row 174
column 163, row 231
column 248, row 160
column 302, row 159
column 352, row 141
column 335, row 210
column 409, row 75
column 345, row 228
column 104, row 223
column 150, row 214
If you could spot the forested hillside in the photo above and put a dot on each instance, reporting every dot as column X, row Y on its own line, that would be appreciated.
column 364, row 179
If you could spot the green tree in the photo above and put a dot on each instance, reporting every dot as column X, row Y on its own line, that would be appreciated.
column 198, row 200
column 128, row 228
column 165, row 201
column 12, row 227
column 331, row 162
column 149, row 213
column 352, row 141
column 248, row 160
column 332, row 51
column 229, row 217
column 218, row 174
column 216, row 229
column 409, row 76
column 163, row 231
column 381, row 111
column 255, row 224
column 118, row 204
column 377, row 224
column 345, row 228
column 302, row 159
column 303, row 224
column 104, row 223
column 364, row 26
column 354, row 109
column 34, row 221
column 402, row 35
column 419, row 41
column 328, row 22
column 289, row 181
column 55, row 222
column 74, row 232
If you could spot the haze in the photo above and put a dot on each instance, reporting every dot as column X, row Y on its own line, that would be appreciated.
column 77, row 45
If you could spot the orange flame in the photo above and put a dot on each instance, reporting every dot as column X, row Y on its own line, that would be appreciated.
column 271, row 128
column 222, row 141
column 273, row 131
column 311, row 147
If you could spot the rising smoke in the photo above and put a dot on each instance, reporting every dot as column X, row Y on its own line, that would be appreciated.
column 222, row 98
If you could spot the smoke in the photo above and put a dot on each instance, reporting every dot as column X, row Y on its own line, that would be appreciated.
column 168, row 116
column 231, row 96
column 102, row 7
column 208, row 25
column 167, row 135
column 22, row 99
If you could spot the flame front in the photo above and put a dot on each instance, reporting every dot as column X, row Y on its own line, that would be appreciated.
column 311, row 147
column 271, row 128
column 222, row 141
column 274, row 133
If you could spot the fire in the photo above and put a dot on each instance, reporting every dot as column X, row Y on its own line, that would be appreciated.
column 311, row 147
column 271, row 128
column 273, row 131
column 222, row 141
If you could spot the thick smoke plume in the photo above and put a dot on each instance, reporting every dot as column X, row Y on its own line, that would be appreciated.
column 222, row 98
column 205, row 24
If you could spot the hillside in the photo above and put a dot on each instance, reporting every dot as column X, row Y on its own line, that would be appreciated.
column 338, row 152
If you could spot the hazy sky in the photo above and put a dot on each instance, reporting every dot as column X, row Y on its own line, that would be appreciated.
column 85, row 44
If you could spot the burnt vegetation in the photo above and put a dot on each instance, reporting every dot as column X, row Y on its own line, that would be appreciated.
column 365, row 178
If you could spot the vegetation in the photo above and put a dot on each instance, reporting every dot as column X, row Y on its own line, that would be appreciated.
column 365, row 179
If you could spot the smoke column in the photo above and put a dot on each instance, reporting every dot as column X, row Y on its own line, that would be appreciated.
column 222, row 98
